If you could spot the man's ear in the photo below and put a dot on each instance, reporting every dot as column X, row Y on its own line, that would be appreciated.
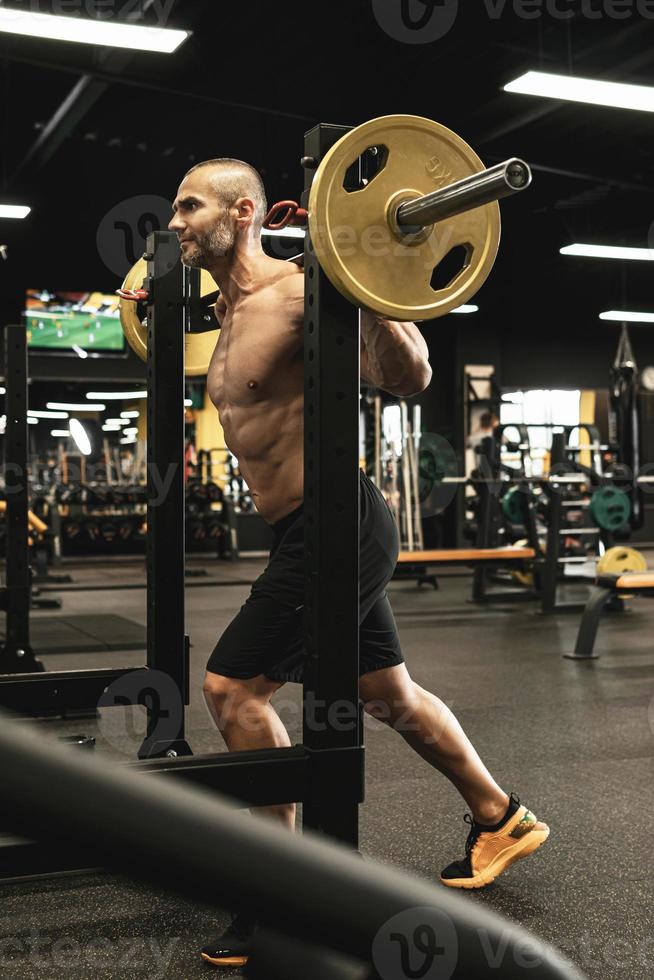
column 245, row 207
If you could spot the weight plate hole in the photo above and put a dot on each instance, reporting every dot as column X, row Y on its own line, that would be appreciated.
column 451, row 266
column 371, row 163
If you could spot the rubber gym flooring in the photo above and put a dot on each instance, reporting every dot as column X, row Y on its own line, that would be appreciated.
column 574, row 741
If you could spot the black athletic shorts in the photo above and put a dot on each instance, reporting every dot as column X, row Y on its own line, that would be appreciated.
column 266, row 636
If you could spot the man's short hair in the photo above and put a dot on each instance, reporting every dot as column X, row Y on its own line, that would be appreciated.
column 234, row 179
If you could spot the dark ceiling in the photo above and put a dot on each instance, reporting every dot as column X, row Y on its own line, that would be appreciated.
column 85, row 129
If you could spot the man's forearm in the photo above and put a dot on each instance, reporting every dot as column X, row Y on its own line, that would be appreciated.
column 397, row 357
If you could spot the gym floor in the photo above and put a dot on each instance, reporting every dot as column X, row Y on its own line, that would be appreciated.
column 573, row 740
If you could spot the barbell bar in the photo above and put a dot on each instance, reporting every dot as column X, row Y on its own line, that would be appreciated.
column 506, row 178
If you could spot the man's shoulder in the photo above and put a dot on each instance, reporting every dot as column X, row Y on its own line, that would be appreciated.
column 289, row 288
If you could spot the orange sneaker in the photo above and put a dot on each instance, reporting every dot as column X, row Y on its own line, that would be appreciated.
column 491, row 850
column 233, row 948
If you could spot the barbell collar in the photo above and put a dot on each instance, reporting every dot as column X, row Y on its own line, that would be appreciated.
column 490, row 185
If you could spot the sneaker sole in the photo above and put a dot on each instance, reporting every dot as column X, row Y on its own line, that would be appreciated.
column 226, row 962
column 530, row 843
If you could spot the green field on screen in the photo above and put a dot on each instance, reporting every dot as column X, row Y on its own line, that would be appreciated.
column 66, row 330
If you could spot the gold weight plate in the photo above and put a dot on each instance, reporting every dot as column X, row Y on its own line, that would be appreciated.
column 618, row 560
column 198, row 347
column 352, row 236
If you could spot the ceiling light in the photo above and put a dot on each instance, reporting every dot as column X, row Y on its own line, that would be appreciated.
column 80, row 436
column 466, row 309
column 60, row 433
column 618, row 95
column 129, row 415
column 46, row 415
column 290, row 231
column 54, row 27
column 80, row 351
column 116, row 395
column 13, row 210
column 625, row 316
column 609, row 252
column 72, row 407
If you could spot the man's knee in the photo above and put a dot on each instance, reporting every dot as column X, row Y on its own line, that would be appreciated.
column 388, row 694
column 389, row 684
column 226, row 695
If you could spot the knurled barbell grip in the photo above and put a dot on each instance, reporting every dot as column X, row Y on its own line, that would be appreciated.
column 500, row 181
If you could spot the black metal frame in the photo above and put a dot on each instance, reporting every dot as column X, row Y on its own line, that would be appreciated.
column 16, row 653
column 552, row 562
column 487, row 487
column 600, row 598
column 331, row 508
column 326, row 773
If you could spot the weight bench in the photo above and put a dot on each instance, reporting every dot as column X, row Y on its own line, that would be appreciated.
column 499, row 557
column 606, row 588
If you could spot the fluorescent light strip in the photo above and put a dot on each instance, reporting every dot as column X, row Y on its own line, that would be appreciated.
column 116, row 395
column 80, row 351
column 71, row 407
column 466, row 309
column 83, row 30
column 13, row 210
column 626, row 316
column 115, row 421
column 60, row 433
column 80, row 437
column 129, row 415
column 32, row 421
column 618, row 95
column 46, row 415
column 291, row 231
column 610, row 252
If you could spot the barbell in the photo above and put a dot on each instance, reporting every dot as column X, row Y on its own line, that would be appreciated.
column 384, row 243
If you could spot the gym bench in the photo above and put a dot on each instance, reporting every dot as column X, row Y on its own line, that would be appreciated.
column 606, row 588
column 472, row 557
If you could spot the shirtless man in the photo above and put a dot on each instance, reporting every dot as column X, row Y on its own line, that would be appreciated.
column 255, row 380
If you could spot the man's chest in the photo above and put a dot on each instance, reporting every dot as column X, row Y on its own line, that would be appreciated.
column 257, row 357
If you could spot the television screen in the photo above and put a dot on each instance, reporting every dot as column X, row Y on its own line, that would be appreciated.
column 62, row 321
